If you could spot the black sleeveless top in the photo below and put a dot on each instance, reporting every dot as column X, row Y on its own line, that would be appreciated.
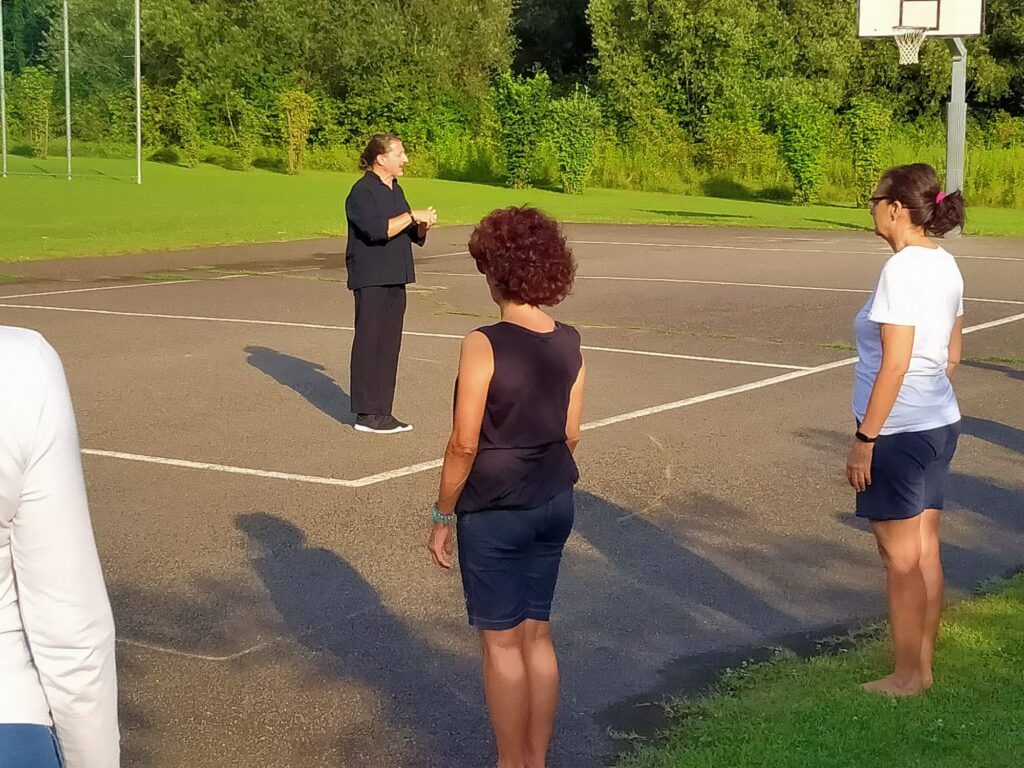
column 523, row 461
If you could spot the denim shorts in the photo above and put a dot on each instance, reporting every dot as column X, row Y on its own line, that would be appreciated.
column 24, row 745
column 909, row 472
column 509, row 560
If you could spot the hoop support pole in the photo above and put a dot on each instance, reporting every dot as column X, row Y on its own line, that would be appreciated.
column 956, row 117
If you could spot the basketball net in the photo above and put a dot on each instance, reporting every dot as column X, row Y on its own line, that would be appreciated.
column 908, row 40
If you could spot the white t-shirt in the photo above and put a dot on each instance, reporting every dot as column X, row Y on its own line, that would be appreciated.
column 56, row 629
column 921, row 287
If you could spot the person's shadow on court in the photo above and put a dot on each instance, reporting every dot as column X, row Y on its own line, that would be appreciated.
column 1012, row 372
column 994, row 432
column 306, row 378
column 433, row 711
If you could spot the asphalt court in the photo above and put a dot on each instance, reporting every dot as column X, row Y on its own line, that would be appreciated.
column 274, row 599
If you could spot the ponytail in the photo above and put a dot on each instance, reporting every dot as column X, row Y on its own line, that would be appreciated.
column 948, row 213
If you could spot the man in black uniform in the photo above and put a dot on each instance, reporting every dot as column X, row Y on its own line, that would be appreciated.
column 381, row 231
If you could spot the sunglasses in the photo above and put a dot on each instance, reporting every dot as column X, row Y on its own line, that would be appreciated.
column 875, row 200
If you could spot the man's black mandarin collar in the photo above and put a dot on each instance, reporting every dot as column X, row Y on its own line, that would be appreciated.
column 380, row 181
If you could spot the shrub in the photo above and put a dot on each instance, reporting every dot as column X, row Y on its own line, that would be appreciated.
column 297, row 118
column 32, row 99
column 867, row 122
column 185, row 115
column 574, row 124
column 522, row 106
column 805, row 128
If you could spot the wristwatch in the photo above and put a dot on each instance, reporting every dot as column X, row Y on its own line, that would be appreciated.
column 864, row 438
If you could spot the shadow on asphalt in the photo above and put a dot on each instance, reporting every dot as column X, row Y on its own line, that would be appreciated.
column 993, row 432
column 618, row 618
column 305, row 378
column 641, row 599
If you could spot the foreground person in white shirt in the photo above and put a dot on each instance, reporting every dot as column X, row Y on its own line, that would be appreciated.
column 58, row 683
column 908, row 422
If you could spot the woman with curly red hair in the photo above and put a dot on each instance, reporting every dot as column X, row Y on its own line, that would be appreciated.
column 508, row 475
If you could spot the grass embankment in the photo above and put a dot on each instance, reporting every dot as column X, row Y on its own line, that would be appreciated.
column 799, row 713
column 103, row 212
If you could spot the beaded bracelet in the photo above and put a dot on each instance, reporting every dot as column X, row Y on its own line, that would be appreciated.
column 440, row 519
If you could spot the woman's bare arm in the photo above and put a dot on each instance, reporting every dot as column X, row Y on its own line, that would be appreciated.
column 476, row 367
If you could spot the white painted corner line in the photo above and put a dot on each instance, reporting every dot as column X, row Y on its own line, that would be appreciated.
column 426, row 466
column 350, row 329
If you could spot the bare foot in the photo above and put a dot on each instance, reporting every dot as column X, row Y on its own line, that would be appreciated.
column 889, row 686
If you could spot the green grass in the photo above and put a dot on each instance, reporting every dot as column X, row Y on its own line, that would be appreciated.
column 842, row 346
column 1015, row 361
column 168, row 277
column 102, row 212
column 798, row 713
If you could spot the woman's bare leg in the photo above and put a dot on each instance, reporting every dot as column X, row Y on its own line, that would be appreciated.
column 542, row 674
column 507, row 690
column 931, row 568
column 899, row 542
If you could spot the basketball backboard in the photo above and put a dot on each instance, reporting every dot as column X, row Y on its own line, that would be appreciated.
column 939, row 18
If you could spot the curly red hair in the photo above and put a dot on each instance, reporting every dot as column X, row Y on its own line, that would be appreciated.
column 525, row 255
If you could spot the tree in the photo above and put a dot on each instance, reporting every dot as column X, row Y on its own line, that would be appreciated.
column 554, row 37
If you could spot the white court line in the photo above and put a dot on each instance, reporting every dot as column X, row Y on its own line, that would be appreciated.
column 421, row 334
column 203, row 318
column 442, row 255
column 725, row 360
column 151, row 283
column 885, row 252
column 426, row 466
column 200, row 656
column 103, row 288
column 270, row 474
column 785, row 239
column 729, row 283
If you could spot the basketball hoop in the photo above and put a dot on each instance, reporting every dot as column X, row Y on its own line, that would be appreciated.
column 908, row 40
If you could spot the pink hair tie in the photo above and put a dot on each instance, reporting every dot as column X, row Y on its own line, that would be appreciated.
column 940, row 197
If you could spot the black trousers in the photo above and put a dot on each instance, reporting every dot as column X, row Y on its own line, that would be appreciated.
column 380, row 315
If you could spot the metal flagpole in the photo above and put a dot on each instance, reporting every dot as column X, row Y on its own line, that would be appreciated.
column 138, row 92
column 3, row 95
column 67, row 86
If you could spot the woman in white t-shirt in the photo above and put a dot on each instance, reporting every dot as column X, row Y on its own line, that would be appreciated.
column 58, row 682
column 909, row 342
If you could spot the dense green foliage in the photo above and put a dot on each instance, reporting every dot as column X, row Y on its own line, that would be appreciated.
column 32, row 97
column 804, row 129
column 522, row 105
column 866, row 124
column 574, row 124
column 692, row 93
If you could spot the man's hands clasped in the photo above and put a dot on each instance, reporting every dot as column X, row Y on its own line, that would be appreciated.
column 424, row 217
